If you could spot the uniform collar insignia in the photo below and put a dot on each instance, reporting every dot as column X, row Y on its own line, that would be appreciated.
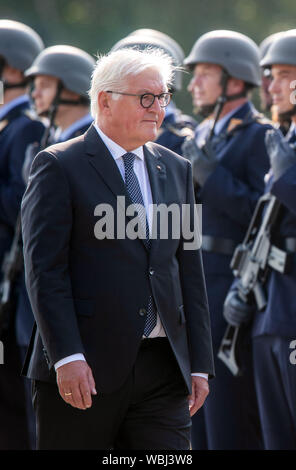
column 3, row 124
column 233, row 123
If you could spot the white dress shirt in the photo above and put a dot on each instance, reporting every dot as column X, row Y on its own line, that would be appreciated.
column 141, row 172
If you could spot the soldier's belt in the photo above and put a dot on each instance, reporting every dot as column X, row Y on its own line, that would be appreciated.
column 281, row 259
column 224, row 246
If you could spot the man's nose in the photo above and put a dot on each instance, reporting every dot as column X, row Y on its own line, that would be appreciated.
column 155, row 106
column 273, row 86
column 193, row 83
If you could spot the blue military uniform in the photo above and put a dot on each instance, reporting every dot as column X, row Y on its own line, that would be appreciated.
column 175, row 128
column 275, row 327
column 24, row 315
column 18, row 129
column 229, row 419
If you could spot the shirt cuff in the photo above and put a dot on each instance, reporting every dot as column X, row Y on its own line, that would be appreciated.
column 205, row 376
column 66, row 360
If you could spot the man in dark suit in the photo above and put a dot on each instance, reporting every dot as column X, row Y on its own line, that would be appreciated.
column 122, row 326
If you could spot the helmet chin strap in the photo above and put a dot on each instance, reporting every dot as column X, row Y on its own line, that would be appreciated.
column 52, row 111
column 217, row 107
column 51, row 114
column 7, row 85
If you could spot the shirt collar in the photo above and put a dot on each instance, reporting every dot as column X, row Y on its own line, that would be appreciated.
column 116, row 150
column 6, row 108
column 65, row 134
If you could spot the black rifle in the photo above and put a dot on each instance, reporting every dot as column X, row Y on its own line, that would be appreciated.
column 11, row 267
column 250, row 265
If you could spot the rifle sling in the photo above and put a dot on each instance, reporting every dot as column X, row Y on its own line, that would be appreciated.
column 281, row 259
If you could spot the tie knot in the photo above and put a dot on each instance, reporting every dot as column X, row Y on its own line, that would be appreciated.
column 128, row 160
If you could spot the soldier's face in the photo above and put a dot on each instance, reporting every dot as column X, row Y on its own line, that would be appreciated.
column 124, row 120
column 282, row 88
column 205, row 85
column 45, row 88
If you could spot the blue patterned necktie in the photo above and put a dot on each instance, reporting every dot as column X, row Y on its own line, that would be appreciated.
column 134, row 191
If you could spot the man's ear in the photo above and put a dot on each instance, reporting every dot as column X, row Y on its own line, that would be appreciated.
column 104, row 102
column 235, row 85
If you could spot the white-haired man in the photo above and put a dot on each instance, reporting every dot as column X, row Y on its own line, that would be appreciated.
column 122, row 324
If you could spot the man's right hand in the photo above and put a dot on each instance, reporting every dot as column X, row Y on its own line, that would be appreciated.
column 76, row 384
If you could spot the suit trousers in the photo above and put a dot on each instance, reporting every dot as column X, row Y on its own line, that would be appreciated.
column 150, row 410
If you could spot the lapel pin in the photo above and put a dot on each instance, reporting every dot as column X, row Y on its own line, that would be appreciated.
column 158, row 167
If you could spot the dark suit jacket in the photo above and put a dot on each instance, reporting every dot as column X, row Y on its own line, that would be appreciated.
column 89, row 295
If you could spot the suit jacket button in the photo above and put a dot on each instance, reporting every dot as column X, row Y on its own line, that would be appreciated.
column 151, row 271
column 142, row 312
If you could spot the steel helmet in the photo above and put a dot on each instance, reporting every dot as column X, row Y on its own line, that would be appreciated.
column 234, row 52
column 71, row 65
column 142, row 38
column 266, row 43
column 282, row 50
column 19, row 44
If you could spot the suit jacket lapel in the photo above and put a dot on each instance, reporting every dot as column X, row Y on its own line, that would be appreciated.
column 104, row 164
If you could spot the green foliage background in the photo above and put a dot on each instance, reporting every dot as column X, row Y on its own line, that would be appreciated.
column 95, row 25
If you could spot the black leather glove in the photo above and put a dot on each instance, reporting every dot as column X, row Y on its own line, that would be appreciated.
column 236, row 312
column 281, row 155
column 203, row 160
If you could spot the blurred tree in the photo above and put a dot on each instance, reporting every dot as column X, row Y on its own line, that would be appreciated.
column 95, row 25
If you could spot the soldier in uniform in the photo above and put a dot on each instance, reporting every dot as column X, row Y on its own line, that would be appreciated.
column 61, row 78
column 176, row 126
column 265, row 96
column 274, row 328
column 229, row 163
column 19, row 45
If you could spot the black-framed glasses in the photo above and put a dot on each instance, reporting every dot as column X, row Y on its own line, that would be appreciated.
column 147, row 99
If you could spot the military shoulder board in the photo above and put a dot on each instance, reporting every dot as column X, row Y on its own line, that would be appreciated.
column 261, row 119
column 3, row 124
column 180, row 132
column 30, row 114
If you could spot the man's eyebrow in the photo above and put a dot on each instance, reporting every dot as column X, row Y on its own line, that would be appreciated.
column 143, row 91
column 285, row 72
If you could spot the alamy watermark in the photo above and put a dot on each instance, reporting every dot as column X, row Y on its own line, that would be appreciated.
column 292, row 356
column 172, row 221
column 1, row 353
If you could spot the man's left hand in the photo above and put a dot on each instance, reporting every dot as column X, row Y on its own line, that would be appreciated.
column 200, row 391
